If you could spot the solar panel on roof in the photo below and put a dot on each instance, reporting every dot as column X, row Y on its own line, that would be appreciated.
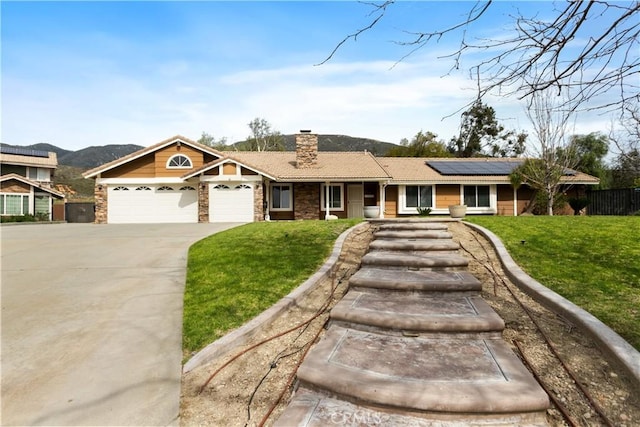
column 474, row 167
column 20, row 151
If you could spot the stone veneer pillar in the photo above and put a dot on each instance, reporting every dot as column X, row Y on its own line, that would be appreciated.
column 203, row 202
column 306, row 150
column 258, row 202
column 101, row 203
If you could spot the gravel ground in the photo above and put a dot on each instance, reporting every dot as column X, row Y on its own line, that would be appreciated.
column 255, row 388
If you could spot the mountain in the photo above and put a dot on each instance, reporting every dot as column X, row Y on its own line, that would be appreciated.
column 95, row 156
column 328, row 142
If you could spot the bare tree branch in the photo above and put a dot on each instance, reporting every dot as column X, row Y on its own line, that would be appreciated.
column 564, row 52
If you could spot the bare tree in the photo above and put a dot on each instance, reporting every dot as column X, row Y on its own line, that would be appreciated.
column 263, row 138
column 549, row 159
column 213, row 142
column 564, row 52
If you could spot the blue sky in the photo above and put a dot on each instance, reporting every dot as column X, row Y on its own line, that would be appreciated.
column 78, row 74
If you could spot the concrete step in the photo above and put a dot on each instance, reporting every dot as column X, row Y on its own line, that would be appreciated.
column 369, row 277
column 416, row 313
column 415, row 245
column 315, row 409
column 412, row 234
column 457, row 376
column 413, row 226
column 409, row 260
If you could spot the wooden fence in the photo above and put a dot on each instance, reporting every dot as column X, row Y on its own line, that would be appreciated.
column 621, row 201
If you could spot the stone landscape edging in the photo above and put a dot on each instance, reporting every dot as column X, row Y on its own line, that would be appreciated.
column 224, row 345
column 623, row 354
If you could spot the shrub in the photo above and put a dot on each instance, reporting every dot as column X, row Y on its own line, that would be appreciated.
column 424, row 211
column 18, row 218
column 578, row 203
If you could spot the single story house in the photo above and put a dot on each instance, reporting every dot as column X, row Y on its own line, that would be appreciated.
column 26, row 182
column 180, row 180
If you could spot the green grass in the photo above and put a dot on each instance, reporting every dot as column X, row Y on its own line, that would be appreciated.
column 235, row 275
column 592, row 261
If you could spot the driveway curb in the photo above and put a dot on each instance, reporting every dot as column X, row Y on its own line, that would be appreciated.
column 613, row 345
column 243, row 334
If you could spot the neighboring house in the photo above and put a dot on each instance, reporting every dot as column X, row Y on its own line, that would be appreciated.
column 26, row 182
column 179, row 180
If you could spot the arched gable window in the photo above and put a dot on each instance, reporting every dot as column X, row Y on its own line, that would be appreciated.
column 179, row 161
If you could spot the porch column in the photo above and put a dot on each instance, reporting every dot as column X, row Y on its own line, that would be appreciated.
column 326, row 199
column 515, row 201
column 382, row 199
column 267, row 216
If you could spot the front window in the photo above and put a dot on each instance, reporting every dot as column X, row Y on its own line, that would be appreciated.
column 179, row 161
column 336, row 199
column 477, row 196
column 281, row 196
column 418, row 196
column 14, row 204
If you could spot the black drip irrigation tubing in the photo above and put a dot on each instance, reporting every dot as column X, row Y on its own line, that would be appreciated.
column 596, row 407
column 322, row 310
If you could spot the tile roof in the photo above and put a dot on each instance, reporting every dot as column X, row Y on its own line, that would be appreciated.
column 341, row 166
column 18, row 159
column 415, row 169
column 344, row 166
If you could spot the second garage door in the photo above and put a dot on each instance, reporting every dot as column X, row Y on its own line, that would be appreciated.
column 152, row 204
column 230, row 203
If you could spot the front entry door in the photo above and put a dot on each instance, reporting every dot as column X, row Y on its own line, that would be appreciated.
column 355, row 200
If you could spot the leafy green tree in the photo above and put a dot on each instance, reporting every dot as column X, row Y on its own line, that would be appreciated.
column 211, row 141
column 626, row 170
column 590, row 151
column 626, row 139
column 481, row 135
column 422, row 145
column 263, row 137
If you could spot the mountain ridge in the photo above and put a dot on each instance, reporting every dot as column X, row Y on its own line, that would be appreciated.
column 94, row 156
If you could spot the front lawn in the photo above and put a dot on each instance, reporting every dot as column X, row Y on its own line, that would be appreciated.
column 235, row 275
column 593, row 261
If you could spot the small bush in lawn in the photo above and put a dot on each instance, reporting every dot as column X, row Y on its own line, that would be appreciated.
column 578, row 203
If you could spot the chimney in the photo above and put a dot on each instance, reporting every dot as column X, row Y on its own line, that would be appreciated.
column 306, row 150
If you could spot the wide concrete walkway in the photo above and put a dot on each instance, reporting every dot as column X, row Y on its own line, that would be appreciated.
column 92, row 322
column 414, row 343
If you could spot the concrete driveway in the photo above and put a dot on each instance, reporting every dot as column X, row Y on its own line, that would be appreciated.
column 92, row 322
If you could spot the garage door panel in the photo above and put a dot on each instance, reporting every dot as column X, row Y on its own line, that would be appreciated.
column 230, row 203
column 152, row 204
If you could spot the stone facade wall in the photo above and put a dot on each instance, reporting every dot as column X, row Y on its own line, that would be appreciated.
column 306, row 150
column 258, row 202
column 305, row 200
column 203, row 202
column 100, row 194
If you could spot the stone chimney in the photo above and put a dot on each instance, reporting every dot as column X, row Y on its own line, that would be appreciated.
column 306, row 150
